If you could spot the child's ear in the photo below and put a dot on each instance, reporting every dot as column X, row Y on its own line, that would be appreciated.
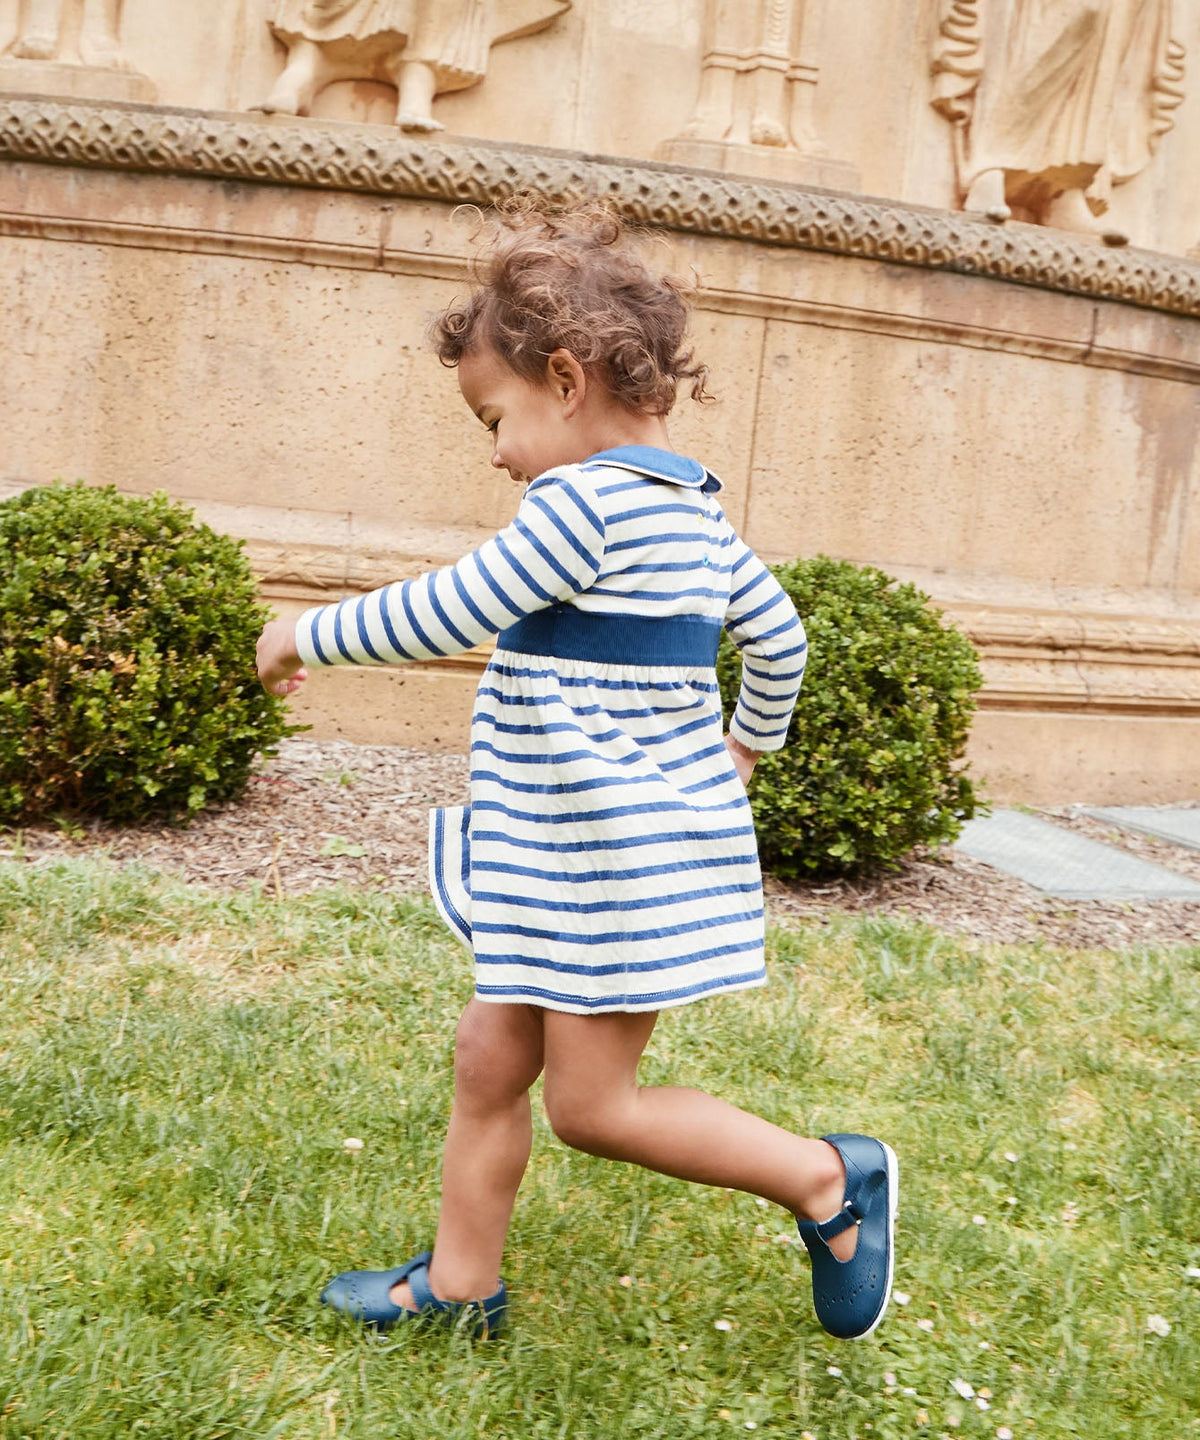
column 567, row 379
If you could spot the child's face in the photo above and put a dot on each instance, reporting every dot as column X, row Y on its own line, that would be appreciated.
column 533, row 426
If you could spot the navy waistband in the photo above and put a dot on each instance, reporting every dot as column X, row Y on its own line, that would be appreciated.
column 570, row 634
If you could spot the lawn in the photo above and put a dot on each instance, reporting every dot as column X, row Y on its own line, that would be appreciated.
column 181, row 1070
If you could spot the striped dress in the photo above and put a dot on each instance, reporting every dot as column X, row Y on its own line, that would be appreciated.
column 607, row 858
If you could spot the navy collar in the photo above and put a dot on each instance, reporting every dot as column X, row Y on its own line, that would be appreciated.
column 659, row 465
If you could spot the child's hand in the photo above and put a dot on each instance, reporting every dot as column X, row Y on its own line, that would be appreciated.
column 744, row 759
column 279, row 666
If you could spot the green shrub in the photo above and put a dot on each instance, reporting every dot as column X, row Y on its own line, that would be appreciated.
column 871, row 767
column 127, row 684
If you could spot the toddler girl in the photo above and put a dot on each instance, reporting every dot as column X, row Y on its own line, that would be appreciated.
column 606, row 867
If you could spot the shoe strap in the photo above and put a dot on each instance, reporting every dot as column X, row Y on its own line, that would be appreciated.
column 847, row 1216
column 418, row 1283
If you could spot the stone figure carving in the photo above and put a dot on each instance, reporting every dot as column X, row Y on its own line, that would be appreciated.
column 44, row 26
column 422, row 47
column 750, row 74
column 1054, row 102
column 71, row 47
column 758, row 80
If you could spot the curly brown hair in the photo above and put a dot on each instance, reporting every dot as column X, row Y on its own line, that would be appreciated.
column 574, row 279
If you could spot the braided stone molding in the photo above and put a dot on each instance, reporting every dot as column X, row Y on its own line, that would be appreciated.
column 196, row 143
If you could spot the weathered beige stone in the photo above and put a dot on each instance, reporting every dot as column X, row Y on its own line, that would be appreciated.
column 232, row 306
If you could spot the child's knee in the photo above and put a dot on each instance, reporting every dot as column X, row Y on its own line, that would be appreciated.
column 493, row 1059
column 581, row 1121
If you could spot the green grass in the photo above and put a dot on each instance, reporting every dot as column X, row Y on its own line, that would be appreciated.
column 179, row 1070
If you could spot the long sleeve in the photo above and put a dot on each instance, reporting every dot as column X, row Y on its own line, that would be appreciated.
column 552, row 550
column 762, row 622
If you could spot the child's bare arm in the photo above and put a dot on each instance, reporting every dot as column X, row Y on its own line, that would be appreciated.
column 279, row 666
column 744, row 759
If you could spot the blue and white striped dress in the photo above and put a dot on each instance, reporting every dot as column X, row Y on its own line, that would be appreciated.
column 607, row 858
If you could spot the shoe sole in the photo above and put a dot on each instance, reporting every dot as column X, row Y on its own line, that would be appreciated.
column 893, row 1200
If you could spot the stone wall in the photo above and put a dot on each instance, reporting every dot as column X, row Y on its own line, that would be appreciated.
column 230, row 305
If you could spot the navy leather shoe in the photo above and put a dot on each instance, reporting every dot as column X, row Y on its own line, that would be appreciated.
column 364, row 1295
column 851, row 1296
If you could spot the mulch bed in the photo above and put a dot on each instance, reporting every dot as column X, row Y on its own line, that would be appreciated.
column 329, row 812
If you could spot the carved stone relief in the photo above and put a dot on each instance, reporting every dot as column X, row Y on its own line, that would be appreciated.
column 754, row 112
column 71, row 47
column 422, row 47
column 1054, row 104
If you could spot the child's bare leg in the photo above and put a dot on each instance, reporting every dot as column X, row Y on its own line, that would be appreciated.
column 497, row 1057
column 595, row 1104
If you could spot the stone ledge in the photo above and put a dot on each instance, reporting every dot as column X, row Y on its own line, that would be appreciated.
column 323, row 155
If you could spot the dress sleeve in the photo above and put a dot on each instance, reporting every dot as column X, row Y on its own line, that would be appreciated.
column 762, row 622
column 552, row 550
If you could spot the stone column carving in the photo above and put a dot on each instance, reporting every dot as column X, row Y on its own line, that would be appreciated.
column 1054, row 104
column 422, row 47
column 71, row 47
column 758, row 79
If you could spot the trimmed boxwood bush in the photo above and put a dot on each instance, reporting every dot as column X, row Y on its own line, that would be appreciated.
column 127, row 682
column 872, row 766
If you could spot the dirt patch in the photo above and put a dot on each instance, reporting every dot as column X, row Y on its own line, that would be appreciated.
column 328, row 812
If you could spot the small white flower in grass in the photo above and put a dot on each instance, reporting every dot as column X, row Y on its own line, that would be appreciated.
column 963, row 1388
column 909, row 1391
column 925, row 1325
column 888, row 1378
column 760, row 1229
column 683, row 1347
column 1010, row 1200
column 985, row 1344
column 1003, row 1433
column 1193, row 1272
column 626, row 1280
column 954, row 1421
column 807, row 1435
column 982, row 1403
column 760, row 1202
column 1011, row 1156
column 722, row 1324
column 834, row 1370
column 922, row 1417
column 751, row 1424
column 901, row 1298
column 978, row 1219
column 1158, row 1325
column 352, row 1143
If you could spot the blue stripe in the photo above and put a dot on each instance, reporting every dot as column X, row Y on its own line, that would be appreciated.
column 495, row 587
column 568, row 535
column 653, row 1000
column 522, row 574
column 558, row 787
column 612, row 812
column 364, row 638
column 414, row 626
column 617, row 967
column 447, row 624
column 681, row 838
column 584, row 508
column 528, row 672
column 599, row 907
column 671, row 507
column 637, row 872
column 322, row 658
column 385, row 606
column 664, row 537
column 476, row 613
column 338, row 639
